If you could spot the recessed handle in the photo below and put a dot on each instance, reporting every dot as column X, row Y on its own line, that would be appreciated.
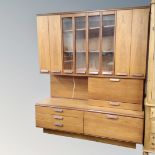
column 58, row 124
column 44, row 71
column 58, row 110
column 121, row 74
column 138, row 75
column 114, row 103
column 58, row 117
column 112, row 116
column 114, row 80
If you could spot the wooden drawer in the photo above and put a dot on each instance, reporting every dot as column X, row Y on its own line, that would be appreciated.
column 58, row 110
column 119, row 105
column 118, row 90
column 152, row 141
column 59, row 122
column 114, row 127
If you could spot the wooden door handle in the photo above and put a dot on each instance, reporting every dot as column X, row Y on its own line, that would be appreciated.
column 122, row 74
column 44, row 71
column 58, row 117
column 114, row 103
column 112, row 116
column 58, row 110
column 58, row 124
column 114, row 80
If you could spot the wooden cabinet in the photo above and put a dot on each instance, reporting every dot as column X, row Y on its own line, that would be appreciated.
column 43, row 42
column 97, row 65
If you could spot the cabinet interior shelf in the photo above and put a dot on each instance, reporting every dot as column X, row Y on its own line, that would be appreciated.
column 93, row 28
column 82, row 29
column 68, row 31
column 108, row 26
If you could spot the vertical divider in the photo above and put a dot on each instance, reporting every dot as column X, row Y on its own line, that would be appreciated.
column 74, row 45
column 115, row 23
column 100, row 48
column 87, row 45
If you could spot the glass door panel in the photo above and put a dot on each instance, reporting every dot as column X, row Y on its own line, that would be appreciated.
column 94, row 43
column 80, row 41
column 108, row 27
column 67, row 45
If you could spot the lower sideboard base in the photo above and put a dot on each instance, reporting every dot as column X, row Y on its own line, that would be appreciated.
column 80, row 136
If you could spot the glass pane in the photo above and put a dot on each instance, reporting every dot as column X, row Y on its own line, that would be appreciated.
column 80, row 22
column 94, row 62
column 108, row 44
column 94, row 21
column 68, row 45
column 94, row 44
column 80, row 38
column 67, row 24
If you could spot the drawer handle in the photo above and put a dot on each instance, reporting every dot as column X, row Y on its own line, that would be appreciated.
column 58, row 117
column 122, row 74
column 56, row 71
column 58, row 110
column 114, row 80
column 114, row 103
column 58, row 124
column 112, row 117
column 44, row 71
column 138, row 75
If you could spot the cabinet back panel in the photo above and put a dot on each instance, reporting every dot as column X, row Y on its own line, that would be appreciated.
column 118, row 90
column 69, row 87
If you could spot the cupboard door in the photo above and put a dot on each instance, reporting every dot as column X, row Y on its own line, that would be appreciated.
column 80, row 44
column 43, row 41
column 68, row 51
column 139, row 42
column 94, row 43
column 108, row 33
column 123, row 42
column 55, row 43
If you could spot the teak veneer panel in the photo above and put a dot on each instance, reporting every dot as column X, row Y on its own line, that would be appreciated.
column 55, row 35
column 123, row 42
column 114, row 89
column 113, row 126
column 43, row 42
column 139, row 42
column 69, row 87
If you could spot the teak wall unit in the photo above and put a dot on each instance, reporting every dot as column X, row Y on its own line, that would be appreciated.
column 97, row 62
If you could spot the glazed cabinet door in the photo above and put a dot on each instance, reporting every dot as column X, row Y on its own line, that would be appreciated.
column 108, row 43
column 139, row 42
column 43, row 41
column 55, row 43
column 68, row 44
column 80, row 43
column 123, row 42
column 94, row 29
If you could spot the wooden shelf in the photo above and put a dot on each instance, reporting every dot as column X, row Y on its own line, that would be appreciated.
column 94, row 28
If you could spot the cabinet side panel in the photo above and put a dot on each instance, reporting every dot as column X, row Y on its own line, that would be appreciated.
column 43, row 42
column 123, row 42
column 55, row 43
column 139, row 42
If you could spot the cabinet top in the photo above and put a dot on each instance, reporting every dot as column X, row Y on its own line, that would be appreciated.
column 89, row 11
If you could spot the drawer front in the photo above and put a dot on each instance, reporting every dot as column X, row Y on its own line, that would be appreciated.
column 118, row 90
column 114, row 127
column 112, row 104
column 152, row 141
column 58, row 122
column 57, row 111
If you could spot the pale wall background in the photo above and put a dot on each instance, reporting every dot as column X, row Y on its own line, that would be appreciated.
column 21, row 85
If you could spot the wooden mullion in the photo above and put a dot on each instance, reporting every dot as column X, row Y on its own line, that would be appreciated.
column 87, row 45
column 113, row 71
column 74, row 45
column 100, row 50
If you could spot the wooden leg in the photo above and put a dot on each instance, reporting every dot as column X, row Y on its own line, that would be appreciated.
column 145, row 153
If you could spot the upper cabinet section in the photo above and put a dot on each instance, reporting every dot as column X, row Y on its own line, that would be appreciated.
column 101, row 43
